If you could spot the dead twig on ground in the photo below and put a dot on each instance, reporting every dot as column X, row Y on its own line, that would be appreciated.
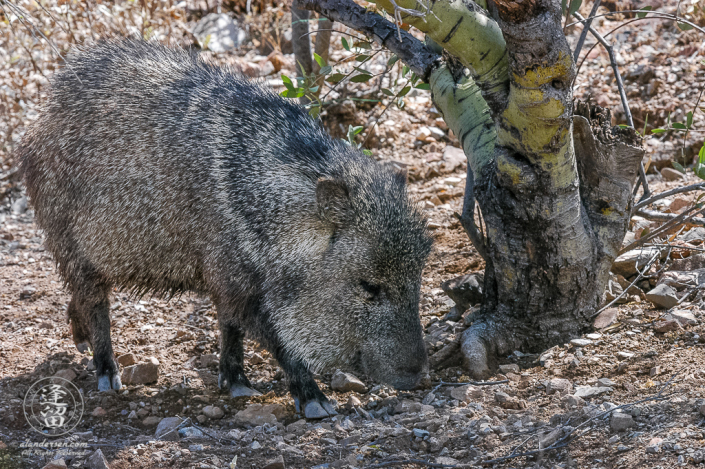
column 566, row 440
column 666, row 228
column 474, row 383
column 658, row 216
column 678, row 190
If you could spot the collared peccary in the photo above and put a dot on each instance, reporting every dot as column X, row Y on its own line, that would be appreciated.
column 152, row 170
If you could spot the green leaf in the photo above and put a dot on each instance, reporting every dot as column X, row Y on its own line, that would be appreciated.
column 657, row 131
column 404, row 91
column 645, row 11
column 315, row 111
column 361, row 78
column 404, row 70
column 362, row 57
column 623, row 126
column 392, row 60
column 284, row 94
column 313, row 89
column 335, row 78
column 352, row 131
column 564, row 5
column 346, row 46
column 367, row 152
column 689, row 119
column 356, row 130
column 679, row 126
column 644, row 232
column 646, row 120
column 678, row 166
column 387, row 92
column 684, row 26
column 287, row 82
column 423, row 86
column 574, row 6
column 319, row 60
column 326, row 70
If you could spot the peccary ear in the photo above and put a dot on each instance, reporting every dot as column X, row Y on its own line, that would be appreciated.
column 333, row 200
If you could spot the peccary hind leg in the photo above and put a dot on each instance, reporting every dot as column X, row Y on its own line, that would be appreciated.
column 232, row 372
column 89, row 314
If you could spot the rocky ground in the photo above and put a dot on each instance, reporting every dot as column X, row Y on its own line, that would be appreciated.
column 628, row 395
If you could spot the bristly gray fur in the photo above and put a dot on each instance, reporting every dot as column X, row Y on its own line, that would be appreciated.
column 153, row 170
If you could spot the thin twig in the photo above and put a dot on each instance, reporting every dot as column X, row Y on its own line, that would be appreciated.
column 474, row 383
column 653, row 15
column 664, row 229
column 397, row 462
column 586, row 26
column 663, row 195
column 658, row 216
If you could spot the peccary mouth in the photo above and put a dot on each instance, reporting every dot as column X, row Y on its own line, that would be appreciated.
column 402, row 378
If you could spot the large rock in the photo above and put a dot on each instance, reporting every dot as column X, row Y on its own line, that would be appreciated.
column 258, row 414
column 218, row 32
column 590, row 391
column 694, row 236
column 683, row 317
column 127, row 359
column 213, row 412
column 663, row 296
column 681, row 280
column 465, row 290
column 670, row 174
column 345, row 382
column 277, row 463
column 143, row 373
column 626, row 264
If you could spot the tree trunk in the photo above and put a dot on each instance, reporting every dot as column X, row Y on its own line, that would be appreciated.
column 301, row 41
column 553, row 183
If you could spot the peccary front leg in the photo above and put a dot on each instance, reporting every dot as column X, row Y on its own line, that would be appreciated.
column 232, row 355
column 306, row 393
column 89, row 313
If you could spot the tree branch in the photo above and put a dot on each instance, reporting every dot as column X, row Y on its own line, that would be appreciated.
column 663, row 195
column 658, row 216
column 419, row 58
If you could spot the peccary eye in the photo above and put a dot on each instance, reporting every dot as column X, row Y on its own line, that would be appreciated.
column 372, row 290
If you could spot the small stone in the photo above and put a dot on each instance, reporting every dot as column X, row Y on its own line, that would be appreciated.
column 683, row 317
column 191, row 432
column 627, row 264
column 419, row 433
column 127, row 359
column 559, row 385
column 144, row 373
column 97, row 461
column 590, row 391
column 621, row 422
column 580, row 342
column 510, row 368
column 663, row 296
column 132, row 416
column 424, row 134
column 258, row 414
column 701, row 409
column 666, row 326
column 593, row 336
column 466, row 393
column 551, row 437
column 352, row 403
column 277, row 463
column 655, row 371
column 606, row 318
column 99, row 412
column 573, row 401
column 670, row 174
column 606, row 382
column 67, row 374
column 255, row 445
column 168, row 428
column 428, row 398
column 213, row 412
column 345, row 382
column 151, row 421
column 195, row 448
column 624, row 355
